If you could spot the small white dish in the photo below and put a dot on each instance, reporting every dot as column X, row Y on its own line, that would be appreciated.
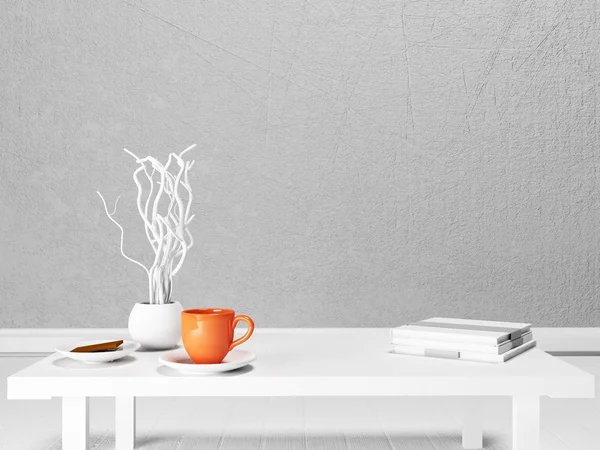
column 179, row 360
column 127, row 347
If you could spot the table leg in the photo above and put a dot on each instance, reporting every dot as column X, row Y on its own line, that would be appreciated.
column 526, row 422
column 75, row 423
column 472, row 436
column 125, row 423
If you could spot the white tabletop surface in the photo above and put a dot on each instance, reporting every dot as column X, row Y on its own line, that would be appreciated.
column 308, row 362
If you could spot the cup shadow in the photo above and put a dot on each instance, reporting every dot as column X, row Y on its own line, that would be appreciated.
column 169, row 372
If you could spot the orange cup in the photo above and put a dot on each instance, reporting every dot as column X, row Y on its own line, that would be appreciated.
column 207, row 334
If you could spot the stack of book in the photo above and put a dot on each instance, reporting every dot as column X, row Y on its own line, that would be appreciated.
column 471, row 340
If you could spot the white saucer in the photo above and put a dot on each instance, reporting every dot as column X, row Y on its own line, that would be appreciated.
column 179, row 360
column 127, row 347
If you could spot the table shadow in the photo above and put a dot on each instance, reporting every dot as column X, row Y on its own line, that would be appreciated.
column 321, row 440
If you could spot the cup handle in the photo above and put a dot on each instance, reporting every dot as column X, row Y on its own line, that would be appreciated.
column 246, row 336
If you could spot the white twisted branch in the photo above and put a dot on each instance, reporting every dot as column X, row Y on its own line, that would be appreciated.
column 168, row 233
column 110, row 216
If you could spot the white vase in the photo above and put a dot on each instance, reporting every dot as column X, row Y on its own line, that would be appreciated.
column 155, row 326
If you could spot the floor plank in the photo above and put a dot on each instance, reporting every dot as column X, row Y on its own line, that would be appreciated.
column 206, row 421
column 246, row 424
column 285, row 427
column 445, row 442
column 322, row 425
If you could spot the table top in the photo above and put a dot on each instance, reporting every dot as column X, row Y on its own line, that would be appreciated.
column 308, row 362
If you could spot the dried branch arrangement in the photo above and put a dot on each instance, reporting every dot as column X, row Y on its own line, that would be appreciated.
column 166, row 215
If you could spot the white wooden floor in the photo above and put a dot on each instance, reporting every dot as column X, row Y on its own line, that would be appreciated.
column 297, row 423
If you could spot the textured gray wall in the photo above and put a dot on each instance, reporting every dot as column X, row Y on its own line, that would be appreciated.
column 362, row 163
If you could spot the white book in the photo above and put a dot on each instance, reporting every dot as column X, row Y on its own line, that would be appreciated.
column 466, row 356
column 464, row 346
column 462, row 330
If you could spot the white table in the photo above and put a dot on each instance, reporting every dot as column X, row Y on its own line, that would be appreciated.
column 305, row 362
